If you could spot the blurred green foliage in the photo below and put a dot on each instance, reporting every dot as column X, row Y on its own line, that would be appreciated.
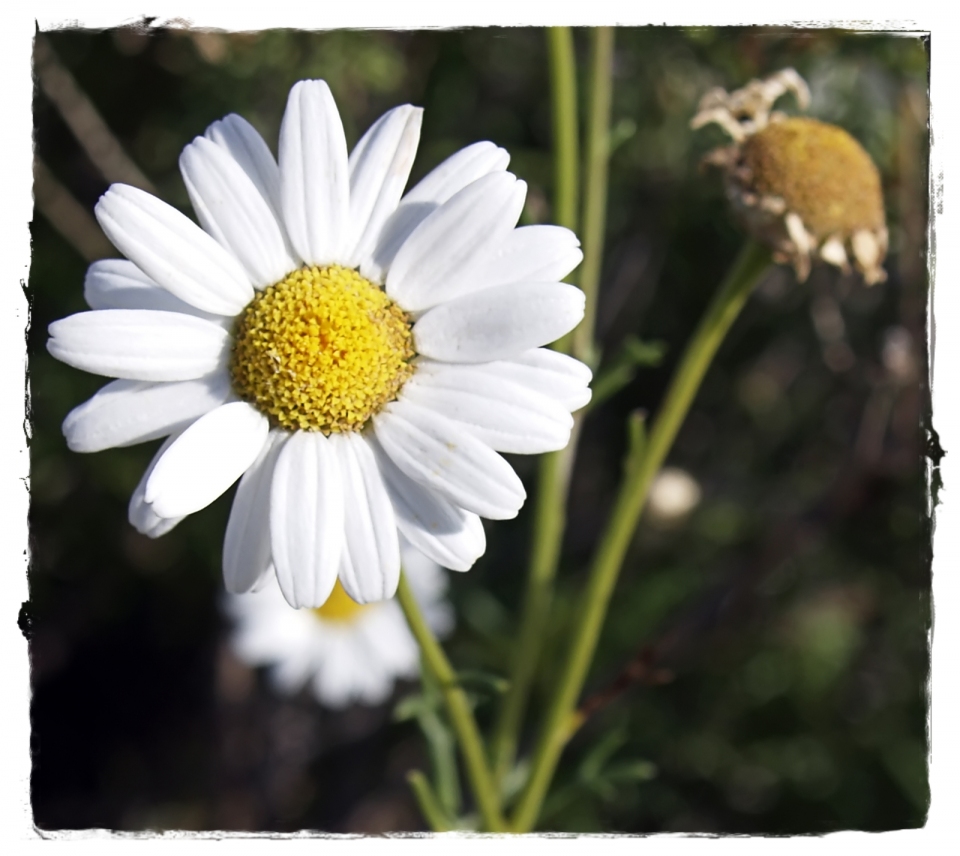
column 788, row 614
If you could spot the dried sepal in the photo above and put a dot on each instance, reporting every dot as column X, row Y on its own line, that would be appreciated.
column 804, row 187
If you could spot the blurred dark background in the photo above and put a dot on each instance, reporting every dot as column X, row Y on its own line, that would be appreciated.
column 785, row 618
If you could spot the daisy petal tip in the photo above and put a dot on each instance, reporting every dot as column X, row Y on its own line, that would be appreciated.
column 70, row 433
column 116, row 194
column 310, row 84
column 312, row 94
column 508, row 512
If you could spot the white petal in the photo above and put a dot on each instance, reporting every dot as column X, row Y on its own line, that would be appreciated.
column 120, row 284
column 314, row 179
column 350, row 673
column 440, row 454
column 270, row 572
column 554, row 374
column 131, row 411
column 498, row 323
column 506, row 416
column 456, row 172
column 246, row 543
column 442, row 531
column 236, row 135
column 140, row 514
column 289, row 675
column 231, row 208
column 379, row 168
column 370, row 565
column 173, row 250
column 389, row 642
column 139, row 344
column 306, row 518
column 435, row 262
column 527, row 254
column 426, row 577
column 206, row 459
column 429, row 584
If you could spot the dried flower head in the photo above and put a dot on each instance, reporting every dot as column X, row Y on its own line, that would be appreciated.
column 802, row 186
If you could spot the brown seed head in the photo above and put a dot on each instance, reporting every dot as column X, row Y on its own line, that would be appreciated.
column 820, row 171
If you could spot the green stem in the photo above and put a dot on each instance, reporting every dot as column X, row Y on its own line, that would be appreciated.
column 458, row 709
column 563, row 79
column 550, row 512
column 548, row 525
column 430, row 807
column 595, row 186
column 441, row 746
column 726, row 305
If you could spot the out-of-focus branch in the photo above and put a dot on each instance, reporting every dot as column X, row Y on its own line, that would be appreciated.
column 99, row 143
column 68, row 216
column 642, row 669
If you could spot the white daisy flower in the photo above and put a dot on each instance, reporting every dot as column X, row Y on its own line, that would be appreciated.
column 344, row 651
column 357, row 357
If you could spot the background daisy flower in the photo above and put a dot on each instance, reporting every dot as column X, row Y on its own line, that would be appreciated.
column 357, row 358
column 346, row 652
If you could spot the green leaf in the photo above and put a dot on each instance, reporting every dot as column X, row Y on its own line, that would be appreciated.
column 515, row 779
column 623, row 131
column 410, row 707
column 633, row 355
column 636, row 439
column 597, row 757
column 483, row 681
column 631, row 771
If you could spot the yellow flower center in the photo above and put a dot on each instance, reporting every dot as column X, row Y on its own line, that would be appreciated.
column 820, row 171
column 322, row 350
column 339, row 606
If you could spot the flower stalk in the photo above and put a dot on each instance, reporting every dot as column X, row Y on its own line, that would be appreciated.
column 548, row 526
column 458, row 708
column 428, row 802
column 555, row 468
column 643, row 463
column 563, row 79
column 595, row 188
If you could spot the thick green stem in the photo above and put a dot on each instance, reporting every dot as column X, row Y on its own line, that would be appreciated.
column 595, row 187
column 458, row 708
column 639, row 473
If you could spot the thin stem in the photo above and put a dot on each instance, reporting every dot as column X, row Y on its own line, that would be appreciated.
column 428, row 802
column 441, row 745
column 548, row 525
column 642, row 466
column 563, row 79
column 550, row 512
column 458, row 708
column 595, row 186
